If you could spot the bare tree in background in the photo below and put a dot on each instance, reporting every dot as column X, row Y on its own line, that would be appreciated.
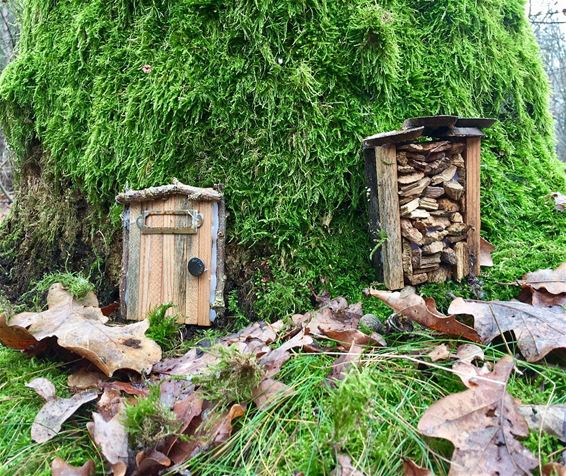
column 549, row 25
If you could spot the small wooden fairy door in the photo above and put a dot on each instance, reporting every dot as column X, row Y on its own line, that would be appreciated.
column 173, row 252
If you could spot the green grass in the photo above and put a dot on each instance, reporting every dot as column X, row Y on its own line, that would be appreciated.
column 19, row 456
column 372, row 415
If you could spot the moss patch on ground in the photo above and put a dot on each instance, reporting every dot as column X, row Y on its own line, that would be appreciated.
column 272, row 98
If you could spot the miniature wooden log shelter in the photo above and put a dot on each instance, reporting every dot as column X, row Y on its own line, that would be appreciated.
column 424, row 200
column 173, row 252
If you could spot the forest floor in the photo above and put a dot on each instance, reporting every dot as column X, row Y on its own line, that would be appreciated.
column 371, row 414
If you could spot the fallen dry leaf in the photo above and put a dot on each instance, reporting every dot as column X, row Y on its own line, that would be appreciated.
column 110, row 403
column 85, row 378
column 254, row 338
column 554, row 469
column 268, row 391
column 551, row 280
column 464, row 368
column 60, row 467
column 415, row 308
column 440, row 352
column 343, row 363
column 353, row 337
column 55, row 411
column 129, row 388
column 79, row 326
column 486, row 248
column 410, row 468
column 150, row 462
column 338, row 321
column 344, row 467
column 112, row 440
column 545, row 287
column 212, row 430
column 469, row 353
column 188, row 411
column 538, row 330
column 483, row 423
column 559, row 201
column 548, row 418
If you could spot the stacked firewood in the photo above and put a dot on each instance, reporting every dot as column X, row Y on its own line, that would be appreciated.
column 431, row 179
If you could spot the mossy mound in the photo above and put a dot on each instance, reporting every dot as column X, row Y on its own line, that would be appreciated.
column 272, row 98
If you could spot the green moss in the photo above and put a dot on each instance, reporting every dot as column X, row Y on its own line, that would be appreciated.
column 232, row 379
column 147, row 421
column 272, row 98
column 163, row 329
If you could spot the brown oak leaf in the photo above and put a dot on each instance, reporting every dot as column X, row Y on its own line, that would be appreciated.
column 343, row 363
column 486, row 248
column 344, row 467
column 79, row 326
column 423, row 311
column 553, row 469
column 410, row 468
column 440, row 352
column 538, row 330
column 483, row 423
column 60, row 467
column 268, row 391
column 545, row 287
column 559, row 201
column 111, row 438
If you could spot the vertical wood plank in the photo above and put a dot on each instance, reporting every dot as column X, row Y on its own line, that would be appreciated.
column 205, row 253
column 374, row 223
column 181, row 259
column 168, row 258
column 191, row 283
column 388, row 203
column 473, row 218
column 144, row 268
column 155, row 259
column 131, row 287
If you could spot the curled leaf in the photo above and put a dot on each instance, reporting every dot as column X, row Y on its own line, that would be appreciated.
column 79, row 326
column 410, row 468
column 56, row 411
column 548, row 418
column 60, row 467
column 423, row 311
column 538, row 330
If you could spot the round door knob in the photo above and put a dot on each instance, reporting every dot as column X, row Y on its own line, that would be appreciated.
column 196, row 266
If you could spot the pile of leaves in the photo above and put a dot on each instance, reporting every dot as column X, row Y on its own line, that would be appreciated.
column 169, row 411
column 181, row 406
